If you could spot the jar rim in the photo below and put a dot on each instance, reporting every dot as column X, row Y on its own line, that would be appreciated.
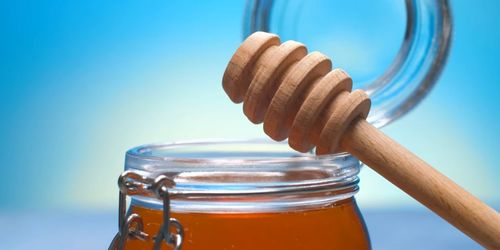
column 242, row 174
column 147, row 152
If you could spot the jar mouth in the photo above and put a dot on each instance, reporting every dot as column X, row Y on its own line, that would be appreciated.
column 224, row 153
column 232, row 175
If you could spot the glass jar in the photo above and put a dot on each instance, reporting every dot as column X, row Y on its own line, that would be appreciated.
column 240, row 195
column 397, row 72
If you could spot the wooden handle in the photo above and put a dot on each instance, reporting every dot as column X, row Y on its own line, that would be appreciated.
column 298, row 95
column 424, row 183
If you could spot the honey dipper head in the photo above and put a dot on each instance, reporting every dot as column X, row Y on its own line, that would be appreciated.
column 295, row 94
column 236, row 77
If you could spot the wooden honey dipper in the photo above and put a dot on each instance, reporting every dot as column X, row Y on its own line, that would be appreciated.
column 298, row 95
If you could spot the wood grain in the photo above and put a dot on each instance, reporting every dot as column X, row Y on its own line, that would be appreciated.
column 269, row 70
column 299, row 96
column 424, row 183
column 333, row 83
column 287, row 98
column 237, row 75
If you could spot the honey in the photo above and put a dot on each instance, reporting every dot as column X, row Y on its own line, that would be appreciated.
column 337, row 226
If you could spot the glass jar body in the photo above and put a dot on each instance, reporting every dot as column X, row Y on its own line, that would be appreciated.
column 238, row 195
column 337, row 226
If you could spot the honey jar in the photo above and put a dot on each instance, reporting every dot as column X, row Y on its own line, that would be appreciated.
column 238, row 195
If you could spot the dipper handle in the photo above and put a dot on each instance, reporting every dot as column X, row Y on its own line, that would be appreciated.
column 424, row 183
column 298, row 95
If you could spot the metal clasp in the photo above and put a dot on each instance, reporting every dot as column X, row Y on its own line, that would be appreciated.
column 131, row 226
column 160, row 189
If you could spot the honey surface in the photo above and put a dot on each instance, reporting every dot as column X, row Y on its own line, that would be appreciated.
column 338, row 226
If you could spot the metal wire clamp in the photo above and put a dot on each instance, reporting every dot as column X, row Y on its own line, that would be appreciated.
column 131, row 225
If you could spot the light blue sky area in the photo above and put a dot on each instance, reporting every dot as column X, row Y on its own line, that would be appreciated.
column 83, row 81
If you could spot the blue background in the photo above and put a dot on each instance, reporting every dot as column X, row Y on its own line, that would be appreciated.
column 83, row 81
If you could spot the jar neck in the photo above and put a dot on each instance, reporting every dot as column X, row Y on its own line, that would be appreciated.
column 270, row 200
column 239, row 176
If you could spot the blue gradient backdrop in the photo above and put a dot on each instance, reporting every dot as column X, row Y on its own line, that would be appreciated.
column 83, row 81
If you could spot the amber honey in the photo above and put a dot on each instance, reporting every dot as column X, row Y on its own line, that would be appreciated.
column 338, row 226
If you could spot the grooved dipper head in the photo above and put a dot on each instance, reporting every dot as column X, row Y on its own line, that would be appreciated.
column 297, row 95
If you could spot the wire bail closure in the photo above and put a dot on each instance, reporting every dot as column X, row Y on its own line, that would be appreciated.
column 131, row 225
